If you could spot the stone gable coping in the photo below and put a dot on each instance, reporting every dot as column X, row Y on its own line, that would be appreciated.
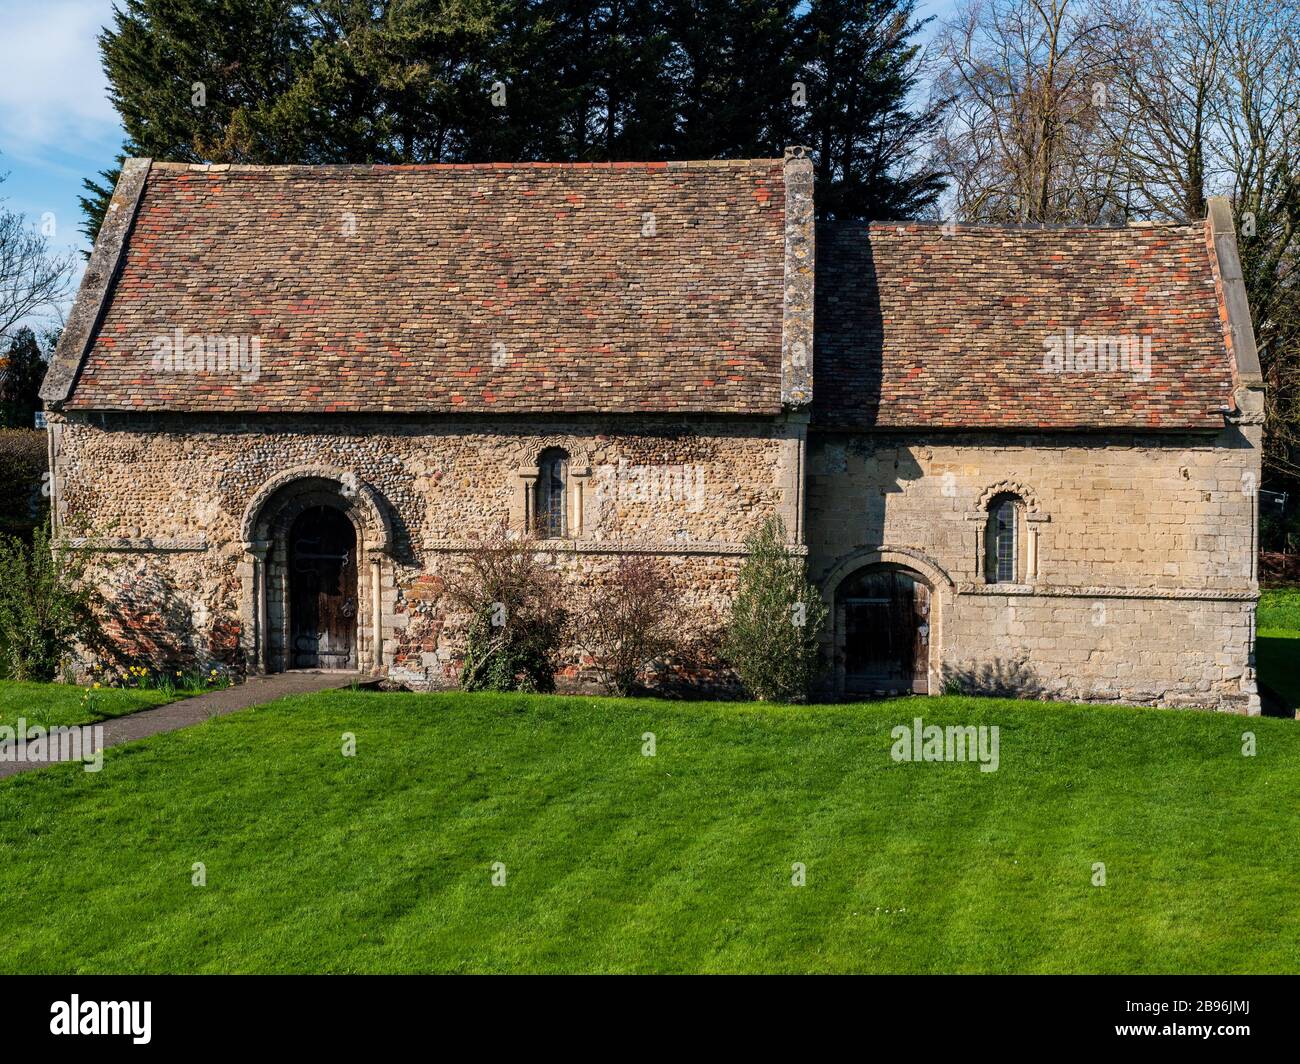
column 800, row 280
column 93, row 295
column 1234, row 311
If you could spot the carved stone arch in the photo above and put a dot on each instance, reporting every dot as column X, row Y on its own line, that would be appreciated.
column 579, row 454
column 265, row 572
column 1009, row 487
column 910, row 557
column 916, row 562
column 379, row 528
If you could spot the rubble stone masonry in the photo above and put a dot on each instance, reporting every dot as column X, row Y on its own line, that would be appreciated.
column 177, row 507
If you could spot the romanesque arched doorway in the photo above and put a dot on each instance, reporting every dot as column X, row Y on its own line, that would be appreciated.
column 315, row 587
column 883, row 624
column 323, row 593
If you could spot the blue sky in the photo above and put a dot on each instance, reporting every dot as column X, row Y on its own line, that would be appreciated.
column 56, row 124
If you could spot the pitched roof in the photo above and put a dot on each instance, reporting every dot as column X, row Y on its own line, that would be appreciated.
column 493, row 288
column 638, row 287
column 989, row 327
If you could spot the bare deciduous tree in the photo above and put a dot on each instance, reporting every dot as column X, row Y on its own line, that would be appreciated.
column 1024, row 140
column 34, row 280
column 1102, row 111
column 1210, row 104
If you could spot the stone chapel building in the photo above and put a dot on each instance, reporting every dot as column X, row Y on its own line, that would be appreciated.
column 1016, row 458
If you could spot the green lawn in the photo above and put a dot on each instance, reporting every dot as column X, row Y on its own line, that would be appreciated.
column 679, row 862
column 51, row 704
column 1279, row 608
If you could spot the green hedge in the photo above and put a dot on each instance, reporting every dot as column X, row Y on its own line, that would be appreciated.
column 23, row 464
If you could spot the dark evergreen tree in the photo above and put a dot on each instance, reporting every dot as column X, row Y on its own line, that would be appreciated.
column 328, row 81
column 734, row 66
column 22, row 368
column 860, row 67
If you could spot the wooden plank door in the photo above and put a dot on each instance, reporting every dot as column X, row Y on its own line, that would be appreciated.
column 323, row 590
column 886, row 619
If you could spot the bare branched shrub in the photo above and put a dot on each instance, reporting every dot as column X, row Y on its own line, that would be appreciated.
column 626, row 621
column 517, row 622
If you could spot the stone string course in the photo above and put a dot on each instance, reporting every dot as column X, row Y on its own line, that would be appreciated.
column 1144, row 591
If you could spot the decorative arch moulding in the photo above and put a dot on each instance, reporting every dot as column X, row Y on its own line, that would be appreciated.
column 1022, row 491
column 378, row 531
column 578, row 452
column 907, row 557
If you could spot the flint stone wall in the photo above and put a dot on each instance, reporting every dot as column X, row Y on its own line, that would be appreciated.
column 164, row 500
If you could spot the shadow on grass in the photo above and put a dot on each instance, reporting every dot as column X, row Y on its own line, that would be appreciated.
column 1277, row 663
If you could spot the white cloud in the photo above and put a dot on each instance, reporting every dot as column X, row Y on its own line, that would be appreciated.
column 52, row 88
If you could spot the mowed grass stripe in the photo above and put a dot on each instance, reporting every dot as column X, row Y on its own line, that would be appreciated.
column 680, row 862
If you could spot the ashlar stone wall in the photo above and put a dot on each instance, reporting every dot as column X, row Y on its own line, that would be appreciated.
column 1136, row 579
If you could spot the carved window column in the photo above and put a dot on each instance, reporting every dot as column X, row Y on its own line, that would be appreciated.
column 1032, row 523
column 978, row 521
column 525, row 496
column 376, row 607
column 578, row 477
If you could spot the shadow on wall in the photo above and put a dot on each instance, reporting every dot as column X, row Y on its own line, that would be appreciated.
column 997, row 679
column 147, row 622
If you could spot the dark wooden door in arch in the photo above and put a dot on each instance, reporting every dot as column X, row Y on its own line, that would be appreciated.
column 886, row 622
column 322, row 590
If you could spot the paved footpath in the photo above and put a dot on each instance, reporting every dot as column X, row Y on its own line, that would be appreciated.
column 181, row 714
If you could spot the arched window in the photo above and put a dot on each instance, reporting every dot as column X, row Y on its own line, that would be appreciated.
column 1002, row 540
column 550, row 509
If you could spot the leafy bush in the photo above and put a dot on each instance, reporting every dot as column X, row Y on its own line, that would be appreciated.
column 46, row 606
column 626, row 621
column 517, row 623
column 777, row 616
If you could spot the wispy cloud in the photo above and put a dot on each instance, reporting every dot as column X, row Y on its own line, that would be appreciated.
column 52, row 91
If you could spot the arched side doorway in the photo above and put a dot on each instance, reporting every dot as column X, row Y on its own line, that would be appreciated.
column 323, row 593
column 883, row 628
column 316, row 583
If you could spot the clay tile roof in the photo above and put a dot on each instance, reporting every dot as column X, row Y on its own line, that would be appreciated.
column 960, row 328
column 492, row 288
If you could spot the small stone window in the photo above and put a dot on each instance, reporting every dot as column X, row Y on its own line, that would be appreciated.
column 550, row 505
column 1001, row 540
